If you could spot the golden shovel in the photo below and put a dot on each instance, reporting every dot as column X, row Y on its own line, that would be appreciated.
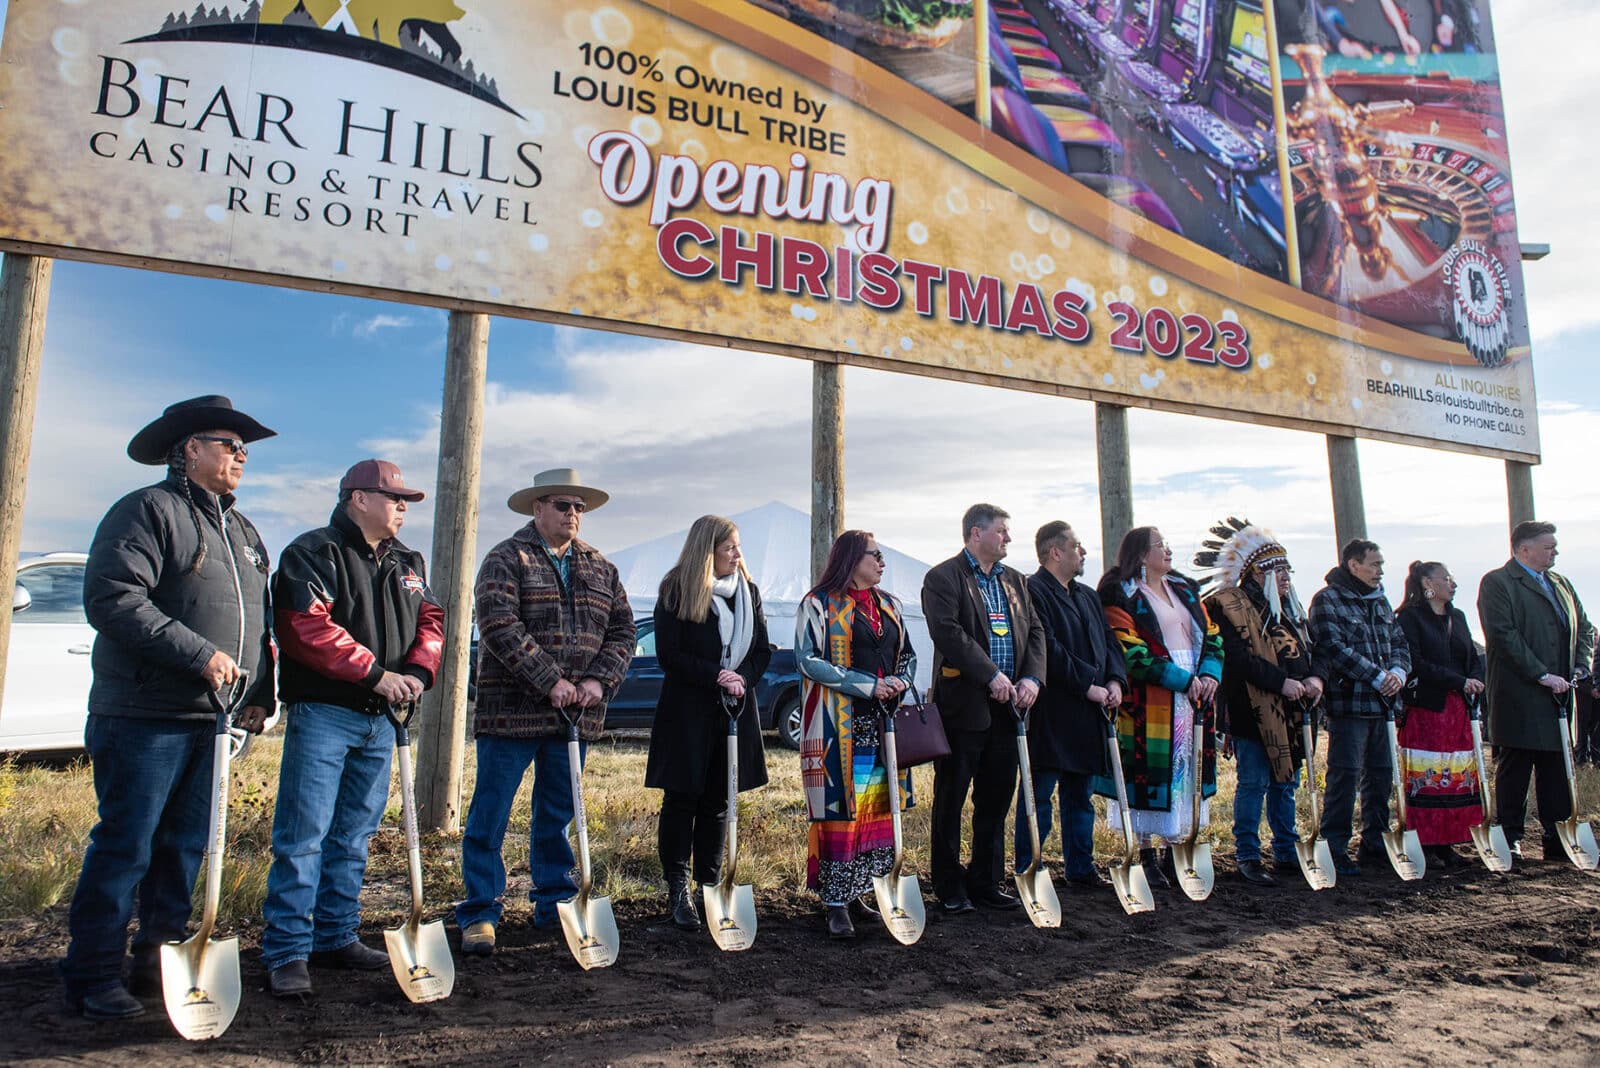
column 1316, row 859
column 1127, row 874
column 1400, row 842
column 1035, row 888
column 1487, row 836
column 588, row 922
column 1577, row 836
column 899, row 896
column 730, row 909
column 419, row 953
column 200, row 976
column 1192, row 857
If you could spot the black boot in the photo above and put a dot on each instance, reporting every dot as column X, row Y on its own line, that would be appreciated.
column 682, row 903
column 1253, row 871
column 1154, row 872
column 839, row 925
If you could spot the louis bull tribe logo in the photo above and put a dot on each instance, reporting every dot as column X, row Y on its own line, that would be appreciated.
column 410, row 36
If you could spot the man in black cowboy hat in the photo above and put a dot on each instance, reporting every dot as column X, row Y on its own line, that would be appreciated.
column 176, row 587
column 555, row 637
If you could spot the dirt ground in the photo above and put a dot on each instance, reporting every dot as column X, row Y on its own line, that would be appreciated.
column 1466, row 967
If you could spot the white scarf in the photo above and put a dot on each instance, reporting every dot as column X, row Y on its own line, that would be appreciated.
column 735, row 626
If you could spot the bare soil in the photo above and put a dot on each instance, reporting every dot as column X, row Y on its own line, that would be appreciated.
column 1463, row 968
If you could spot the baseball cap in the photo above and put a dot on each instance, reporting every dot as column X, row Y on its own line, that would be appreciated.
column 379, row 475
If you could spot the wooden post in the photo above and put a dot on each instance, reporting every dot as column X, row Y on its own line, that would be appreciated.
column 1116, row 478
column 24, row 299
column 827, row 461
column 442, row 733
column 1344, row 472
column 1519, row 491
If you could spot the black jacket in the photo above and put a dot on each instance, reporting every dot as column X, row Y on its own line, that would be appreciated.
column 1067, row 731
column 958, row 623
column 1242, row 669
column 158, row 622
column 690, row 723
column 1443, row 656
column 346, row 614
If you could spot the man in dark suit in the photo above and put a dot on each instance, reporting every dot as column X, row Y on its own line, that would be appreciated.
column 988, row 654
column 1067, row 729
column 1536, row 634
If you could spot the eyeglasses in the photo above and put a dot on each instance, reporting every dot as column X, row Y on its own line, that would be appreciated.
column 564, row 506
column 876, row 554
column 385, row 493
column 233, row 445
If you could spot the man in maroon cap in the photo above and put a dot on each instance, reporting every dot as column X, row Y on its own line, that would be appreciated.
column 358, row 630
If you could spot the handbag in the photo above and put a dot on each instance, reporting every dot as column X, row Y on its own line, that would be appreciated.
column 919, row 732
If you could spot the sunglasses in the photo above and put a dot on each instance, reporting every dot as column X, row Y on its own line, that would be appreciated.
column 568, row 506
column 392, row 496
column 233, row 445
column 876, row 554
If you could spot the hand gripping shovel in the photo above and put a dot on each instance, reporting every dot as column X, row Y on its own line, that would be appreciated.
column 1127, row 874
column 1487, row 836
column 1401, row 843
column 590, row 925
column 1316, row 859
column 899, row 896
column 1192, row 857
column 731, row 910
column 419, row 953
column 1577, row 836
column 200, row 977
column 1034, row 886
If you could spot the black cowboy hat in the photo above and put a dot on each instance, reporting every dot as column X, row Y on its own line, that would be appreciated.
column 152, row 444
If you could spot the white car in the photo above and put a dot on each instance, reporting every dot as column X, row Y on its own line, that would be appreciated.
column 47, row 670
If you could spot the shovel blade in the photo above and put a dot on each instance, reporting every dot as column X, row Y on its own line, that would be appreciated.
column 1038, row 894
column 1577, row 838
column 1196, row 876
column 201, row 1002
column 1405, row 854
column 1133, row 889
column 900, row 905
column 421, row 961
column 1492, row 847
column 1316, row 863
column 731, row 916
column 591, row 930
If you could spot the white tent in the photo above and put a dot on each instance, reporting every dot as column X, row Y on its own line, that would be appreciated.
column 776, row 541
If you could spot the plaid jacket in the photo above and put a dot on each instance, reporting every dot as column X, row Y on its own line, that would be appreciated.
column 1355, row 637
column 533, row 632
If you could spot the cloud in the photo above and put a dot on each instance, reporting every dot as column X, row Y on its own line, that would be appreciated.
column 369, row 327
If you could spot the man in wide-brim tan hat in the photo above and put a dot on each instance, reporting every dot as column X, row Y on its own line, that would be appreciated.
column 555, row 635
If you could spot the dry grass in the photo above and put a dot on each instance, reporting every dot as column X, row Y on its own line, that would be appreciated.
column 46, row 814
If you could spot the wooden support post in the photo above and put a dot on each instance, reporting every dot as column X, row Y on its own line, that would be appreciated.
column 827, row 461
column 1344, row 472
column 24, row 298
column 442, row 734
column 1116, row 478
column 1519, row 491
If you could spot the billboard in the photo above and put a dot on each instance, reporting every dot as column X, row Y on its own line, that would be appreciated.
column 1087, row 198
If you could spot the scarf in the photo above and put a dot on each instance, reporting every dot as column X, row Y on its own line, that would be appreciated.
column 735, row 626
column 867, row 605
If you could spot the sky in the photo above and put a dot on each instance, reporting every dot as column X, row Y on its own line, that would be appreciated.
column 674, row 431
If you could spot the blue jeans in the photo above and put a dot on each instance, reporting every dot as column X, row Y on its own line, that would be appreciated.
column 1077, row 820
column 502, row 762
column 332, row 789
column 1256, row 785
column 1358, row 754
column 152, row 779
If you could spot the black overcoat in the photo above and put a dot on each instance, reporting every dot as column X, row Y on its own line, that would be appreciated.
column 1443, row 657
column 1067, row 731
column 690, row 724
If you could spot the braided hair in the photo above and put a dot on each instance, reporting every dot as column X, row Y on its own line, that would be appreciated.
column 178, row 467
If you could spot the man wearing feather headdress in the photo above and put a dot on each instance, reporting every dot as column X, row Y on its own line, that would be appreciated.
column 1267, row 677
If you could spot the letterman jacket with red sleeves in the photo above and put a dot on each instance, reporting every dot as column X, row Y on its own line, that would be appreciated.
column 344, row 614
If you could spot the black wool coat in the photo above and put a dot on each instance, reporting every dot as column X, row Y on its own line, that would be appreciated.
column 690, row 725
column 1442, row 658
column 1067, row 731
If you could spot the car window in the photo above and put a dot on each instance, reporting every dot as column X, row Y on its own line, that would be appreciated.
column 645, row 644
column 57, row 592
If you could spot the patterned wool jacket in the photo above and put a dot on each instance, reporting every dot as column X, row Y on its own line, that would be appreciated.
column 1355, row 639
column 533, row 632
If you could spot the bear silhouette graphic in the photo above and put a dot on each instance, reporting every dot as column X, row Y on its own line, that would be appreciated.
column 377, row 20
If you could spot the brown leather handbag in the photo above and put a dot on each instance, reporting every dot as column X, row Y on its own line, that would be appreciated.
column 919, row 732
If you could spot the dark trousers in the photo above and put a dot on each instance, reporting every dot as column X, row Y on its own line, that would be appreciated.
column 1358, row 755
column 1512, row 769
column 692, row 824
column 1587, row 748
column 1077, row 820
column 152, row 779
column 984, row 762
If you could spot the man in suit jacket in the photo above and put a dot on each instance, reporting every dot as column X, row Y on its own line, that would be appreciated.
column 988, row 654
column 1067, row 732
column 1536, row 635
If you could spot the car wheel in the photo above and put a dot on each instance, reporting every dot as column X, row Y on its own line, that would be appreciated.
column 787, row 721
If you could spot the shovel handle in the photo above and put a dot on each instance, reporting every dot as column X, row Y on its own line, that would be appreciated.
column 225, row 708
column 401, row 716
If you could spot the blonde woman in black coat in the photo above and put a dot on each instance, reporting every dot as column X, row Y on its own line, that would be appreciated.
column 711, row 641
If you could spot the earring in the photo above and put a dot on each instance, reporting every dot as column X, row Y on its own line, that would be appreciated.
column 1144, row 575
column 1428, row 594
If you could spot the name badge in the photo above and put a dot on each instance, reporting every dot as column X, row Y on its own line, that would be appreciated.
column 999, row 624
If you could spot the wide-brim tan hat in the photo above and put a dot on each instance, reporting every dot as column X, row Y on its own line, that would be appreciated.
column 557, row 480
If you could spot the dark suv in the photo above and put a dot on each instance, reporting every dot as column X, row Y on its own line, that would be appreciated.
column 634, row 706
